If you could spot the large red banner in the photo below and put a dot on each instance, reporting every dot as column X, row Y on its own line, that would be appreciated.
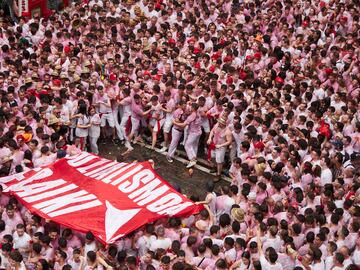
column 89, row 193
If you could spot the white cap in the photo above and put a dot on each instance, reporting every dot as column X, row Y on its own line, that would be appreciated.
column 252, row 196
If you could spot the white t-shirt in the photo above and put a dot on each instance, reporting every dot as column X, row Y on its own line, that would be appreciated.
column 356, row 256
column 265, row 265
column 21, row 241
column 231, row 254
column 318, row 266
column 164, row 243
column 326, row 177
column 82, row 132
column 144, row 244
column 90, row 247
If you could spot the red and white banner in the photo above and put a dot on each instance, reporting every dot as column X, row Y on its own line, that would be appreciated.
column 89, row 193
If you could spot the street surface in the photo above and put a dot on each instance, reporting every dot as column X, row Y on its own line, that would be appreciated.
column 174, row 173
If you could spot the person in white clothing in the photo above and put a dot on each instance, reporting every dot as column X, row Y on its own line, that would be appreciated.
column 161, row 241
column 82, row 126
column 21, row 240
column 144, row 242
column 94, row 130
column 270, row 261
column 16, row 261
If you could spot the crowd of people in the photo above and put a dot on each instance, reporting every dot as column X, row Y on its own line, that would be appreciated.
column 266, row 89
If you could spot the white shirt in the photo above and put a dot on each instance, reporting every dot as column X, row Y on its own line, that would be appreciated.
column 231, row 254
column 21, row 241
column 326, row 177
column 164, row 243
column 265, row 265
column 90, row 247
column 318, row 266
column 356, row 256
column 144, row 243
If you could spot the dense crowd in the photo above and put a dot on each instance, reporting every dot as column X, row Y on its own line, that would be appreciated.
column 268, row 90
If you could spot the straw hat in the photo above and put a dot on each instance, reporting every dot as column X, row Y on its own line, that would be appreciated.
column 76, row 78
column 76, row 24
column 85, row 70
column 6, row 159
column 87, row 63
column 222, row 121
column 71, row 68
column 28, row 80
column 238, row 214
column 52, row 120
column 201, row 225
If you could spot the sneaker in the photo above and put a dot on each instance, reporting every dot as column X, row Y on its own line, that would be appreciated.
column 192, row 163
column 169, row 159
column 163, row 150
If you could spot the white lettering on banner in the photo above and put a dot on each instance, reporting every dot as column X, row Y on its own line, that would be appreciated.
column 85, row 169
column 175, row 209
column 145, row 194
column 54, row 204
column 115, row 218
column 118, row 168
column 38, row 187
column 18, row 176
column 107, row 178
column 43, row 173
column 98, row 171
column 80, row 160
column 75, row 208
column 127, row 175
column 78, row 156
column 145, row 176
column 148, row 193
column 49, row 194
column 168, row 200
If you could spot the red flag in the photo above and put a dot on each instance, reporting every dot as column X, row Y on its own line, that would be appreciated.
column 89, row 193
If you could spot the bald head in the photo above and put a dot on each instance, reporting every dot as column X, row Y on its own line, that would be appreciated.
column 344, row 251
column 136, row 86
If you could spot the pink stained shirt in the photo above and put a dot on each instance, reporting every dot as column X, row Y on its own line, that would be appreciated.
column 12, row 222
column 194, row 122
column 178, row 114
column 74, row 242
column 172, row 234
column 137, row 111
column 170, row 105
